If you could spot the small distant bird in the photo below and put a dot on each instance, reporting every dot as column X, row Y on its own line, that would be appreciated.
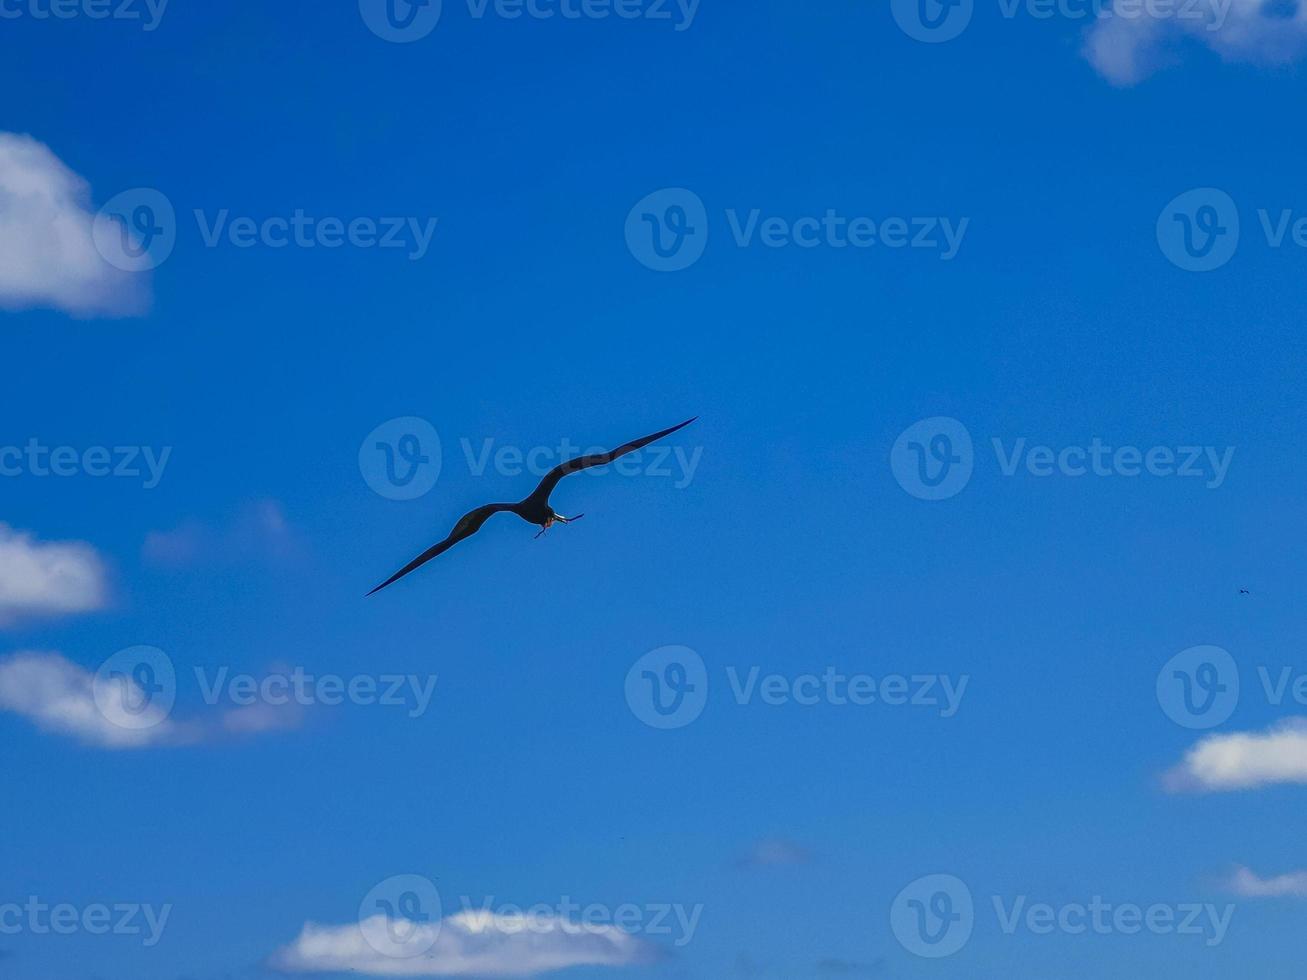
column 1244, row 592
column 534, row 509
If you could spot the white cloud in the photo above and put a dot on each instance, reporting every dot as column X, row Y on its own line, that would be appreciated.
column 1126, row 49
column 1245, row 882
column 47, row 250
column 48, row 579
column 470, row 943
column 1243, row 760
column 59, row 697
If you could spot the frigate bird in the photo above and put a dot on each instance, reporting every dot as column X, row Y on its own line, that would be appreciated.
column 534, row 509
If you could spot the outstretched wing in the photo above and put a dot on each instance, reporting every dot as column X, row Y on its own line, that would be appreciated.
column 546, row 487
column 468, row 525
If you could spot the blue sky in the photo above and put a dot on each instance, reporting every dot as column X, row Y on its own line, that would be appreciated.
column 876, row 233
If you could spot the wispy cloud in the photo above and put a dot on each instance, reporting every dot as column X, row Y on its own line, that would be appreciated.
column 47, row 248
column 470, row 943
column 1126, row 50
column 63, row 698
column 48, row 578
column 259, row 532
column 774, row 851
column 1244, row 760
column 259, row 719
column 1244, row 882
column 831, row 966
column 849, row 968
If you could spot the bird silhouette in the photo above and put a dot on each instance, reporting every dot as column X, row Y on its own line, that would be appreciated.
column 534, row 509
